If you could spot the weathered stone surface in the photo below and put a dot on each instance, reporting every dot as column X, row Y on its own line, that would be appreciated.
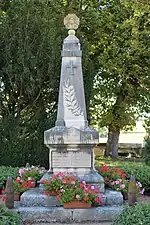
column 45, row 214
column 35, row 197
column 71, row 141
column 76, row 159
column 98, row 214
column 113, row 197
column 40, row 215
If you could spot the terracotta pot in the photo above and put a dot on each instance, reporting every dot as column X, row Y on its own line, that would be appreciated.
column 77, row 205
column 96, row 204
column 125, row 195
column 17, row 197
column 52, row 193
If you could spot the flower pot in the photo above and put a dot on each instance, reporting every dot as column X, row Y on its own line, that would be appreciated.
column 17, row 197
column 125, row 195
column 50, row 193
column 96, row 204
column 76, row 205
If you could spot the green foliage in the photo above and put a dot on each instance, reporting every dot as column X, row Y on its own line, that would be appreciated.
column 139, row 170
column 8, row 218
column 7, row 171
column 135, row 215
column 31, row 37
column 34, row 174
column 122, row 85
column 142, row 174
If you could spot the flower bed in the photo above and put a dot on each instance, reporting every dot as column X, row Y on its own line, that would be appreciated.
column 117, row 179
column 23, row 179
column 71, row 192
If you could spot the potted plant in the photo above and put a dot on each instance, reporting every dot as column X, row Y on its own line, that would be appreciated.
column 33, row 173
column 78, row 195
column 20, row 186
column 111, row 174
column 53, row 185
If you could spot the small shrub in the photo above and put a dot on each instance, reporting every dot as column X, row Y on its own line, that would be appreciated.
column 6, row 171
column 141, row 173
column 7, row 217
column 135, row 215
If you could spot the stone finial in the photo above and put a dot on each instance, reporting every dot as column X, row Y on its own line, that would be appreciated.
column 71, row 22
column 9, row 202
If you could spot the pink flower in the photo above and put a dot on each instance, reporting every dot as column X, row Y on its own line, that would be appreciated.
column 86, row 189
column 138, row 184
column 142, row 191
column 92, row 188
column 21, row 172
column 77, row 196
column 83, row 182
column 73, row 182
column 117, row 182
column 112, row 183
column 122, row 186
column 18, row 179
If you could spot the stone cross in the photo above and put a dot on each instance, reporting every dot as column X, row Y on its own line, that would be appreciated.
column 71, row 67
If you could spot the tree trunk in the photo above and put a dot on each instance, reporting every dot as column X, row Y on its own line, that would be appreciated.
column 112, row 143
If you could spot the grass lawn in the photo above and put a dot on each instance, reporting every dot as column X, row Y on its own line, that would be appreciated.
column 119, row 162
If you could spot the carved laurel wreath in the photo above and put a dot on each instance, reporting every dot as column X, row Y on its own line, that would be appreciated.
column 71, row 99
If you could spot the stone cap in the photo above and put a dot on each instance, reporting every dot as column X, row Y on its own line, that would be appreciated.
column 61, row 135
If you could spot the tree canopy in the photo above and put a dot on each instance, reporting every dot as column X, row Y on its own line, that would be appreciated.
column 122, row 85
column 114, row 38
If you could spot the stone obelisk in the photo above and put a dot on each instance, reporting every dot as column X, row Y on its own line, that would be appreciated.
column 71, row 141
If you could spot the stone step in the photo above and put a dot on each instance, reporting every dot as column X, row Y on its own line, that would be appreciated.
column 36, row 197
column 40, row 215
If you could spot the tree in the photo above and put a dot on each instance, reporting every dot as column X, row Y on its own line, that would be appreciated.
column 122, row 86
column 32, row 32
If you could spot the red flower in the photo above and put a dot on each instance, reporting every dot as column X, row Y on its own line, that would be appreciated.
column 86, row 199
column 107, row 179
column 98, row 200
column 82, row 185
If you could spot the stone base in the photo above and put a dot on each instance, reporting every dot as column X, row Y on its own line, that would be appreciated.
column 37, row 208
column 35, row 197
column 48, row 215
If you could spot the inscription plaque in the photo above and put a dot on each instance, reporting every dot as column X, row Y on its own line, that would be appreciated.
column 71, row 159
